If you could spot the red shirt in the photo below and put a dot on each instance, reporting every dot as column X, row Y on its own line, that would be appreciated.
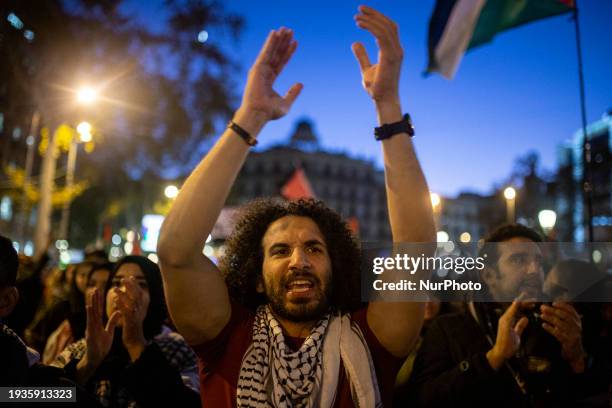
column 219, row 361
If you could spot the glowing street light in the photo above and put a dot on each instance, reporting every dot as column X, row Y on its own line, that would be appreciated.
column 203, row 36
column 510, row 195
column 547, row 219
column 436, row 203
column 86, row 95
column 85, row 137
column 435, row 200
column 442, row 236
column 171, row 192
column 84, row 131
column 465, row 237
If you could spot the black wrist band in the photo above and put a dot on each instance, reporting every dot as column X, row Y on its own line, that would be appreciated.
column 248, row 139
column 390, row 129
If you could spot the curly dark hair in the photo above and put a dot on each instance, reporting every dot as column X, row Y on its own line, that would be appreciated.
column 243, row 258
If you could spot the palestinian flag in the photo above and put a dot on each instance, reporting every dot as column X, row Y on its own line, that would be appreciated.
column 459, row 25
column 297, row 186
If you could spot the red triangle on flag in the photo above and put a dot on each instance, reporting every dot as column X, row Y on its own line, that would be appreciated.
column 136, row 249
column 297, row 186
column 353, row 224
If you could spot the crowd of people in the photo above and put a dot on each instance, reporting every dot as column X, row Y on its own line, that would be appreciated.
column 98, row 326
column 117, row 345
column 280, row 320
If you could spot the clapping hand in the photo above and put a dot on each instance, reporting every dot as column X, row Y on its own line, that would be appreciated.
column 380, row 80
column 259, row 96
column 508, row 339
column 563, row 322
column 129, row 301
column 98, row 337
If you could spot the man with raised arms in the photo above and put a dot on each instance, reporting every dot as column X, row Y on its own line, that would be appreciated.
column 280, row 322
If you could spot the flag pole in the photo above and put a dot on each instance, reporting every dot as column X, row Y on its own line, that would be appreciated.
column 587, row 185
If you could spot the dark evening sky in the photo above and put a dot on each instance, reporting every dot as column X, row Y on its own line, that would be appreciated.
column 516, row 94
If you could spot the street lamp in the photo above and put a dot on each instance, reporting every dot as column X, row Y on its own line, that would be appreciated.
column 87, row 95
column 510, row 195
column 171, row 192
column 84, row 132
column 436, row 202
column 465, row 237
column 547, row 219
column 442, row 236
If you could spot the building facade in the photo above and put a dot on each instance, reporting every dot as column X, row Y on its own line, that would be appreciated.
column 570, row 196
column 353, row 187
column 469, row 216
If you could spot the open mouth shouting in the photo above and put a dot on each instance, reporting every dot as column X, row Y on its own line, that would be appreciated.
column 300, row 288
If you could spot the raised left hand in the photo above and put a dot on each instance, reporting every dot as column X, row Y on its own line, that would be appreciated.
column 380, row 80
column 563, row 322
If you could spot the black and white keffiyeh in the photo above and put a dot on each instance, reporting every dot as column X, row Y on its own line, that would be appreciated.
column 272, row 375
column 298, row 373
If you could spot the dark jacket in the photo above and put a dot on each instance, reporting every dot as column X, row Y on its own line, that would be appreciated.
column 165, row 374
column 451, row 370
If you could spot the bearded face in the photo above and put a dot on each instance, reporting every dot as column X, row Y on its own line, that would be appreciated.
column 296, row 269
column 518, row 271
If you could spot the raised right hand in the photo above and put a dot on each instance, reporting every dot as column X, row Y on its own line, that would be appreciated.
column 98, row 338
column 508, row 340
column 259, row 97
column 380, row 80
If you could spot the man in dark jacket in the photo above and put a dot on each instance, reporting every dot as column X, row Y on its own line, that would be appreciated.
column 475, row 357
